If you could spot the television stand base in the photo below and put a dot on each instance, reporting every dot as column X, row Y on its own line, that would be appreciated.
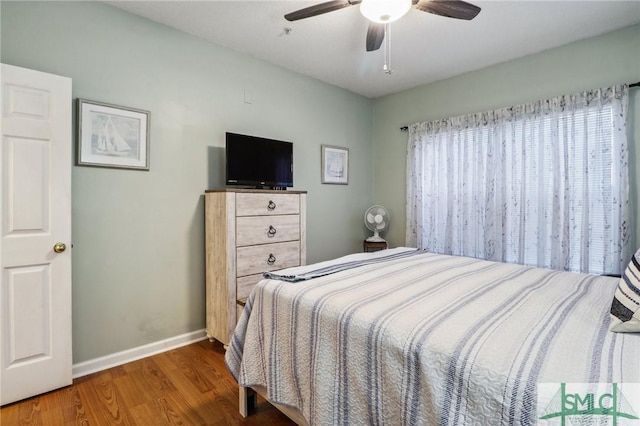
column 271, row 188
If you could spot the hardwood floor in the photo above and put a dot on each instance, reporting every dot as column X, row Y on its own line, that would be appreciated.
column 186, row 386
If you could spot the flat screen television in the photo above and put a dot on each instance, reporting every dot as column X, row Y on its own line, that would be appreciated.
column 258, row 162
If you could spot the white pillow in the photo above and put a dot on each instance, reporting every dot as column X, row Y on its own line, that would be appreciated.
column 625, row 308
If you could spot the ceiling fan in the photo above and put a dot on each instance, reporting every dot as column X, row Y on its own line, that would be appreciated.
column 381, row 12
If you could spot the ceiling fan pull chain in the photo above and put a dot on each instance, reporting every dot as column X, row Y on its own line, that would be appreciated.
column 387, row 48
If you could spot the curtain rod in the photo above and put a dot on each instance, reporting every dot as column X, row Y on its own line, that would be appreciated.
column 406, row 128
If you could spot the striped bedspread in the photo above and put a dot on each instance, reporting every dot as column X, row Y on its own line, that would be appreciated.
column 428, row 339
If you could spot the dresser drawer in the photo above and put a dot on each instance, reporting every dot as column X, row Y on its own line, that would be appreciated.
column 267, row 204
column 251, row 230
column 244, row 285
column 267, row 257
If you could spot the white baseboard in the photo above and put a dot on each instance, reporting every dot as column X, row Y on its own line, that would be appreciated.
column 98, row 364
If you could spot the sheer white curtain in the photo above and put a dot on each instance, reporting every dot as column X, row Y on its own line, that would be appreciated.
column 542, row 184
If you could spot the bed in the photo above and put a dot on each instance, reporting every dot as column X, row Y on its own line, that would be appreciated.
column 406, row 337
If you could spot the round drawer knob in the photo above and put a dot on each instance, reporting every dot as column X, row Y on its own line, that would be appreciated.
column 271, row 206
column 271, row 260
column 272, row 231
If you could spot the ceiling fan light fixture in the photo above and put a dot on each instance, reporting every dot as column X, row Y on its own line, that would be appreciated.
column 384, row 11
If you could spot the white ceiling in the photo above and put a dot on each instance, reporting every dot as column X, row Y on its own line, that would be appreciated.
column 424, row 47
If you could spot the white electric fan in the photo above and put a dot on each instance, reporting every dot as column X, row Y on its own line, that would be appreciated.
column 376, row 218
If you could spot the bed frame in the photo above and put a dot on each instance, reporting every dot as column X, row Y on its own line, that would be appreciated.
column 248, row 400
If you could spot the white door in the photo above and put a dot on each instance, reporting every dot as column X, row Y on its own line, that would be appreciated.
column 35, row 190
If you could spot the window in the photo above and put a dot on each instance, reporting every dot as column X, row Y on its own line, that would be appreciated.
column 542, row 184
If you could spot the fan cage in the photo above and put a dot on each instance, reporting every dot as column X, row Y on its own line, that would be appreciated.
column 373, row 217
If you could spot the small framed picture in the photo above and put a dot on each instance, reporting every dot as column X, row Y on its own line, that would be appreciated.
column 335, row 165
column 112, row 136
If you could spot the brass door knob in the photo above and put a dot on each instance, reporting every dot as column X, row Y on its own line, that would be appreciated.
column 59, row 247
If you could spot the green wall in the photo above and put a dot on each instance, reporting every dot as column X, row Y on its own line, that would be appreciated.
column 138, row 237
column 601, row 61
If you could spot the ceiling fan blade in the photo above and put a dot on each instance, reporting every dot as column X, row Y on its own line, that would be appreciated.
column 450, row 8
column 319, row 9
column 375, row 36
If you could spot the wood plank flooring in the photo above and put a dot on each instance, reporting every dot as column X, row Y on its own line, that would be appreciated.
column 185, row 386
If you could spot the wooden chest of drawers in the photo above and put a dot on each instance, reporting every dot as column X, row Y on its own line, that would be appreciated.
column 247, row 232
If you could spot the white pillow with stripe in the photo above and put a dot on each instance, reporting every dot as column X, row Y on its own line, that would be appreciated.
column 625, row 308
